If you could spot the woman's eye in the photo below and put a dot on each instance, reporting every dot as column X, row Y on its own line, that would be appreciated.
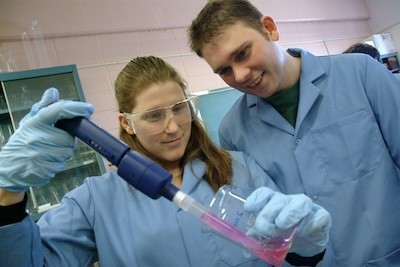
column 153, row 116
column 179, row 107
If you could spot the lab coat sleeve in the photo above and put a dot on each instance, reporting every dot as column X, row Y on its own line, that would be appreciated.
column 20, row 244
column 62, row 237
column 230, row 122
column 67, row 231
column 223, row 142
column 383, row 91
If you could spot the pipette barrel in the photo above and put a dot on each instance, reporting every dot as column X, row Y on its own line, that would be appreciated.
column 138, row 170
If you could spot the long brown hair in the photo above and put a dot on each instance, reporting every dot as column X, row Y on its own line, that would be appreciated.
column 138, row 75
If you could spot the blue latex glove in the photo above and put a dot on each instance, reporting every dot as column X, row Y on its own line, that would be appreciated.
column 278, row 211
column 38, row 150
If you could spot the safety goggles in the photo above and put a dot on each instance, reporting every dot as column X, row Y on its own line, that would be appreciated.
column 155, row 121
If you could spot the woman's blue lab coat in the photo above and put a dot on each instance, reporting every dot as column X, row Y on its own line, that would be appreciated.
column 344, row 151
column 105, row 219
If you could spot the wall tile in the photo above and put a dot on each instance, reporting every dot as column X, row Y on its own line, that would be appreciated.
column 102, row 101
column 120, row 46
column 176, row 63
column 384, row 14
column 112, row 73
column 108, row 120
column 94, row 80
column 80, row 50
column 195, row 65
column 158, row 43
column 181, row 37
column 205, row 82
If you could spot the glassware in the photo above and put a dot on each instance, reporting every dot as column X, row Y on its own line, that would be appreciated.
column 7, row 63
column 227, row 216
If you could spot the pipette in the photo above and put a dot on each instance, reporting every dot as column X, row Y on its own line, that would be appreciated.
column 151, row 179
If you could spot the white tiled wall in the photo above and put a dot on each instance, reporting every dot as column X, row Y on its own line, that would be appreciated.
column 102, row 36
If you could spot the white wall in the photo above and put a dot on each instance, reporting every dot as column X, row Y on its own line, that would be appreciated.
column 101, row 36
column 385, row 18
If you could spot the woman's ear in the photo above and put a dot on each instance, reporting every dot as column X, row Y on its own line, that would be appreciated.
column 124, row 123
column 270, row 28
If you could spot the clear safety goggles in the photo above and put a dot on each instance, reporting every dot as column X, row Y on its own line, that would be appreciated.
column 153, row 122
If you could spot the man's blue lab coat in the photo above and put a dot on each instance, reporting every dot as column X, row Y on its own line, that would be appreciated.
column 344, row 151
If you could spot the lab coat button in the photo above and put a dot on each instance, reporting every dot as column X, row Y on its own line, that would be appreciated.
column 298, row 141
column 315, row 198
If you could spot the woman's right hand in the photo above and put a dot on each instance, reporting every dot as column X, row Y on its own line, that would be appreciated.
column 38, row 150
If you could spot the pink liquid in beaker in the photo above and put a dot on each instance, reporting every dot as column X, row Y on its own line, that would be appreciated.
column 273, row 252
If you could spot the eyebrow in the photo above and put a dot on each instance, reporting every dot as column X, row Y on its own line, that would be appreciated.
column 233, row 54
column 164, row 107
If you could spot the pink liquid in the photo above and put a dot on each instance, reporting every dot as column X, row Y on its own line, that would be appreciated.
column 273, row 252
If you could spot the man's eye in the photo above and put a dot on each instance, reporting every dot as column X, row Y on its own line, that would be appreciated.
column 242, row 54
column 153, row 116
column 225, row 72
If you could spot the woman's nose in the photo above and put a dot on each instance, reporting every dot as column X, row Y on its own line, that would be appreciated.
column 171, row 125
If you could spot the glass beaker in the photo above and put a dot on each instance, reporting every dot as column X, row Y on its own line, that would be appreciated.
column 227, row 216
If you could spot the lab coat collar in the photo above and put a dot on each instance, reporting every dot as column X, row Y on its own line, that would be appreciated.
column 192, row 175
column 311, row 71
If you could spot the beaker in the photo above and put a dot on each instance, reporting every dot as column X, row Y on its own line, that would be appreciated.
column 227, row 215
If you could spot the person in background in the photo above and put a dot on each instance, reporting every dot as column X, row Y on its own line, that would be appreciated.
column 325, row 126
column 107, row 220
column 364, row 49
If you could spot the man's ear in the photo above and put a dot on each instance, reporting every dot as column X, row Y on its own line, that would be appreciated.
column 270, row 28
column 124, row 123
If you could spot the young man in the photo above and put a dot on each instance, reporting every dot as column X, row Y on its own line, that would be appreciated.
column 325, row 126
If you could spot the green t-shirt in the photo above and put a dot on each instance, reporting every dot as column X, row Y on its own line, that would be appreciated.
column 286, row 103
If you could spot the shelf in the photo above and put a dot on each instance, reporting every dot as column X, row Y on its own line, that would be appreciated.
column 78, row 165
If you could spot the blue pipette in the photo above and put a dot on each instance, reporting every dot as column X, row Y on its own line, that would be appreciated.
column 138, row 170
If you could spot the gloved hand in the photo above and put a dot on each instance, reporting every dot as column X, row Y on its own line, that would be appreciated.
column 38, row 150
column 278, row 211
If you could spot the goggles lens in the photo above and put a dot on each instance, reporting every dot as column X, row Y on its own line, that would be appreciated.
column 155, row 121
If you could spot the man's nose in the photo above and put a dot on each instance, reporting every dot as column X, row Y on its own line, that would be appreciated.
column 242, row 74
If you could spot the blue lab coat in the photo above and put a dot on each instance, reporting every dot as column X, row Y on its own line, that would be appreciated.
column 344, row 151
column 105, row 219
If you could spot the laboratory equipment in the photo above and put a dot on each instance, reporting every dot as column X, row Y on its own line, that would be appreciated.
column 228, row 203
column 154, row 181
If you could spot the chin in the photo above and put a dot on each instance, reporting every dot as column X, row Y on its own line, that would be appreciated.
column 173, row 157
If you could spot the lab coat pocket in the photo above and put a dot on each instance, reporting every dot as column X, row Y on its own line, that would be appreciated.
column 392, row 259
column 349, row 147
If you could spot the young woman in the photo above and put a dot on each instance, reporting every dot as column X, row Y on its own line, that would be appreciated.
column 107, row 220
